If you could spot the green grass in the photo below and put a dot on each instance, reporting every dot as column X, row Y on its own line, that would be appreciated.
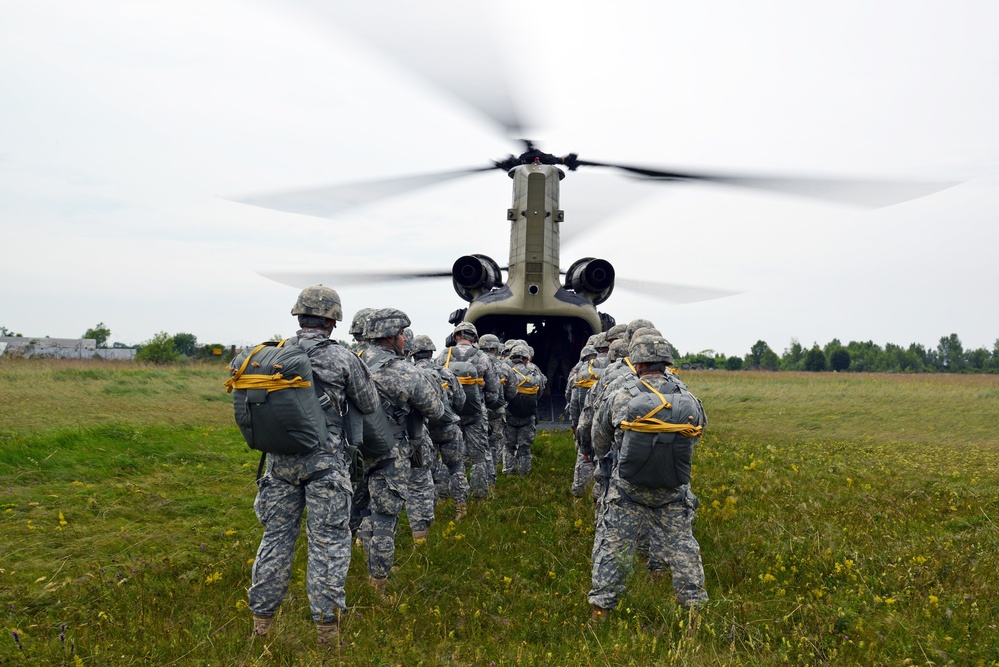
column 846, row 519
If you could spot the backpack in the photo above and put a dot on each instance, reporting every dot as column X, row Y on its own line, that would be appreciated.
column 525, row 403
column 658, row 446
column 584, row 383
column 468, row 376
column 374, row 433
column 274, row 402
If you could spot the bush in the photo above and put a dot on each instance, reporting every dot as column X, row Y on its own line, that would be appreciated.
column 159, row 350
column 839, row 360
column 815, row 360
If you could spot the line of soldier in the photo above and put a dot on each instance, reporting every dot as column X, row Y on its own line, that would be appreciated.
column 471, row 405
column 637, row 462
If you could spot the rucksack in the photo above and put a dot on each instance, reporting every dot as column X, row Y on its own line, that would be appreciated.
column 585, row 382
column 274, row 402
column 525, row 403
column 658, row 446
column 468, row 376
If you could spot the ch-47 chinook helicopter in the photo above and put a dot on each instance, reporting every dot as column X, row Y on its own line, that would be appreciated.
column 555, row 310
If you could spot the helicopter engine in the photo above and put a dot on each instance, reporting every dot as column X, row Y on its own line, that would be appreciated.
column 592, row 278
column 474, row 275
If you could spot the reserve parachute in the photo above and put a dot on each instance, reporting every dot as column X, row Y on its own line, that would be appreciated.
column 468, row 376
column 658, row 446
column 274, row 401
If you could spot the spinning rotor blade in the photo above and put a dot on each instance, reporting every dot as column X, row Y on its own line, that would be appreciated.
column 866, row 193
column 444, row 42
column 302, row 279
column 329, row 201
column 673, row 293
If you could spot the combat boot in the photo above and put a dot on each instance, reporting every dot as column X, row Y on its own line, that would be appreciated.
column 460, row 511
column 420, row 537
column 599, row 615
column 327, row 634
column 377, row 585
column 261, row 625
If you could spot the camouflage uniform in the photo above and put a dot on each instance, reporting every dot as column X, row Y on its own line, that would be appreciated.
column 474, row 428
column 319, row 484
column 496, row 417
column 404, row 390
column 627, row 508
column 447, row 437
column 520, row 431
column 584, row 376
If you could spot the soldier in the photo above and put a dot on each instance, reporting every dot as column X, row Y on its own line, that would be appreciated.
column 482, row 388
column 650, row 481
column 445, row 433
column 407, row 397
column 421, row 494
column 582, row 379
column 357, row 329
column 522, row 418
column 317, row 483
column 496, row 418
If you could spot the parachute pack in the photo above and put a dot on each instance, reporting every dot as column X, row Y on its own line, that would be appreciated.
column 525, row 403
column 275, row 404
column 468, row 376
column 658, row 446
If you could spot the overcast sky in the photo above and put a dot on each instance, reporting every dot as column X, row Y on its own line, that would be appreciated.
column 124, row 126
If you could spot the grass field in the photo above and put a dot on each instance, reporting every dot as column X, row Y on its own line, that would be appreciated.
column 845, row 519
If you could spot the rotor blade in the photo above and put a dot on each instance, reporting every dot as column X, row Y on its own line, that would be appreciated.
column 449, row 44
column 302, row 279
column 865, row 193
column 673, row 293
column 327, row 202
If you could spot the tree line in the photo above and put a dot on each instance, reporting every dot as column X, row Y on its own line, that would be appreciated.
column 949, row 356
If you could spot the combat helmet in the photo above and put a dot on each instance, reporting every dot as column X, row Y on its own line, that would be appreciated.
column 600, row 341
column 588, row 351
column 357, row 324
column 520, row 351
column 423, row 343
column 618, row 349
column 644, row 331
column 615, row 332
column 650, row 349
column 466, row 330
column 408, row 335
column 490, row 342
column 319, row 301
column 385, row 323
column 636, row 324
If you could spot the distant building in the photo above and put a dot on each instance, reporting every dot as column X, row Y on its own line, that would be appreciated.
column 60, row 348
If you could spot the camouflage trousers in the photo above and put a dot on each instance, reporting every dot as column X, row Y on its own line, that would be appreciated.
column 476, row 437
column 497, row 439
column 421, row 493
column 386, row 481
column 318, row 485
column 519, row 438
column 451, row 446
column 582, row 474
column 670, row 513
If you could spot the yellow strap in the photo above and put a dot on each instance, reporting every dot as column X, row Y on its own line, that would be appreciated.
column 444, row 384
column 268, row 382
column 521, row 389
column 650, row 424
column 589, row 381
column 469, row 381
column 447, row 362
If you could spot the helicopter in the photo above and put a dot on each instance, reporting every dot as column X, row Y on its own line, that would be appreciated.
column 554, row 309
